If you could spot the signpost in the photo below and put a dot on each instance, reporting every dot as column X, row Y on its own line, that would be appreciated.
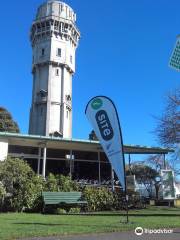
column 102, row 114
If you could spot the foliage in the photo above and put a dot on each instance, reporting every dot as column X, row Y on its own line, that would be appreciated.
column 65, row 184
column 21, row 184
column 60, row 211
column 51, row 184
column 74, row 210
column 134, row 200
column 24, row 187
column 157, row 162
column 98, row 198
column 37, row 186
column 60, row 183
column 6, row 122
column 2, row 195
column 144, row 175
column 92, row 136
column 168, row 128
column 2, row 191
column 66, row 210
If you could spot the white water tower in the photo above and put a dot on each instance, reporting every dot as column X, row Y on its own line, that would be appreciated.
column 54, row 39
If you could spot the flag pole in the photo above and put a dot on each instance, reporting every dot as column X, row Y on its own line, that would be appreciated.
column 126, row 199
column 125, row 182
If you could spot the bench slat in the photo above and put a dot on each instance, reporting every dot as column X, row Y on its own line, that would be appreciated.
column 55, row 198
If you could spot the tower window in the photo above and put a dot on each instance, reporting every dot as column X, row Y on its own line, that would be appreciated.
column 67, row 114
column 59, row 52
column 57, row 72
column 71, row 59
column 42, row 51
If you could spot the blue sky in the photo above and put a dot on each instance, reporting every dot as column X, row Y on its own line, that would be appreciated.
column 123, row 53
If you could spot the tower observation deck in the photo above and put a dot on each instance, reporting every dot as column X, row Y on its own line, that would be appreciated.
column 54, row 39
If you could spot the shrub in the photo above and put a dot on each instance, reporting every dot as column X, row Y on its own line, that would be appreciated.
column 51, row 183
column 2, row 191
column 36, row 203
column 74, row 210
column 21, row 184
column 60, row 211
column 2, row 195
column 98, row 198
column 133, row 201
column 60, row 183
column 20, row 189
column 65, row 184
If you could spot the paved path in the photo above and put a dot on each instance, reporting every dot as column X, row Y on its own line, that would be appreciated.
column 117, row 236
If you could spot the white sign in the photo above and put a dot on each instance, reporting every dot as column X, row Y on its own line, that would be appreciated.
column 168, row 184
column 131, row 182
column 102, row 114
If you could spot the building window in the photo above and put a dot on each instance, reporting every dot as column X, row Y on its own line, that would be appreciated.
column 71, row 59
column 59, row 52
column 57, row 71
column 42, row 51
column 67, row 114
column 68, row 98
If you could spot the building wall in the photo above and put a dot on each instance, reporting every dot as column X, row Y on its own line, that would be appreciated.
column 3, row 149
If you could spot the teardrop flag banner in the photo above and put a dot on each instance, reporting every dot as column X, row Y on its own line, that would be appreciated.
column 102, row 114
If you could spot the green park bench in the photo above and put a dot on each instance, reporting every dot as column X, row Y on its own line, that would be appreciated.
column 67, row 199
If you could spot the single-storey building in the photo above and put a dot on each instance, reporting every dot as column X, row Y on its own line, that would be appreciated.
column 83, row 160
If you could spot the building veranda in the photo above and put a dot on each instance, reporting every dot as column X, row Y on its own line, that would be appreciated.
column 83, row 160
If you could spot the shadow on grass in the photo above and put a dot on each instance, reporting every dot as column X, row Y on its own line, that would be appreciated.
column 136, row 214
column 155, row 212
column 164, row 208
column 67, row 224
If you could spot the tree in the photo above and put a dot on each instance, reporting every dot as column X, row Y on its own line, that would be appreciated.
column 157, row 162
column 92, row 136
column 145, row 175
column 168, row 127
column 7, row 123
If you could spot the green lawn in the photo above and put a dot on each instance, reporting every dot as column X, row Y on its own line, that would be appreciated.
column 19, row 225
